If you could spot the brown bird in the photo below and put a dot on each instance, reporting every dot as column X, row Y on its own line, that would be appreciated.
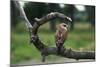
column 61, row 35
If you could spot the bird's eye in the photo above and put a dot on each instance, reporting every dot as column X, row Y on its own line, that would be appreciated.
column 64, row 25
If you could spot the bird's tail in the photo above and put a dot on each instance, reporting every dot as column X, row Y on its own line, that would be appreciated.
column 59, row 46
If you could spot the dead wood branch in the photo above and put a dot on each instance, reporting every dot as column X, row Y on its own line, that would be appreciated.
column 45, row 51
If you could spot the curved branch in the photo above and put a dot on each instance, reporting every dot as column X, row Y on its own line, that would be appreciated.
column 51, row 16
column 68, row 53
column 45, row 51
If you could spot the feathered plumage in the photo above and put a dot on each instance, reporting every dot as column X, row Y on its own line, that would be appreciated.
column 61, row 35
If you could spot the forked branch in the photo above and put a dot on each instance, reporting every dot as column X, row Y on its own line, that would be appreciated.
column 45, row 50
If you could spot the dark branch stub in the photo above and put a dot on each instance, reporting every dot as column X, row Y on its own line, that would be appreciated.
column 45, row 51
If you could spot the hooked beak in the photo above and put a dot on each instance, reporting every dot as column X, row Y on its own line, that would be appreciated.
column 67, row 26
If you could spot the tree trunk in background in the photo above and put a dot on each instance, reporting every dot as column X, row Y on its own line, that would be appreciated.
column 91, row 14
column 72, row 16
column 53, row 8
column 69, row 11
column 53, row 25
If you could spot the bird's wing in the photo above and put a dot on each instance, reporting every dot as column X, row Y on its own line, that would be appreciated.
column 64, row 35
column 57, row 36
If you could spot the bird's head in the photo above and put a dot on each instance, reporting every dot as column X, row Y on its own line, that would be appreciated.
column 64, row 26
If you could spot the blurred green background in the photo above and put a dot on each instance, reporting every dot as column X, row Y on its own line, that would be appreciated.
column 81, row 36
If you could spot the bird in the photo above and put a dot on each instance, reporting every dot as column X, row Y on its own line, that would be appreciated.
column 61, row 35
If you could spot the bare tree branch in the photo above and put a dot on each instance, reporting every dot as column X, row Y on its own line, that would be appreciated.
column 51, row 16
column 22, row 12
column 68, row 53
column 23, row 15
column 45, row 50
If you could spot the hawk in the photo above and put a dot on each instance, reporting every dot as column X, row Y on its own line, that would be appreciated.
column 61, row 35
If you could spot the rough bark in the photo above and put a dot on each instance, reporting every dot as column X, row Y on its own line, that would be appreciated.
column 45, row 50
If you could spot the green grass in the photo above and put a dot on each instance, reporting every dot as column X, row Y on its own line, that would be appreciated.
column 82, row 38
